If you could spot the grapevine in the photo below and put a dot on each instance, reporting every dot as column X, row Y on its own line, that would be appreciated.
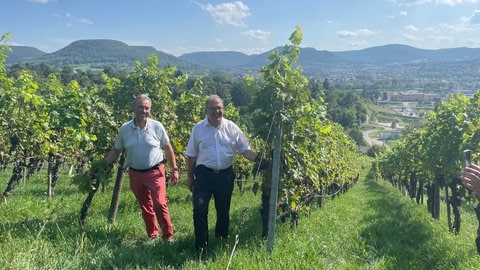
column 100, row 173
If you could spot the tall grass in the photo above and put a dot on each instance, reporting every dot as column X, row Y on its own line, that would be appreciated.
column 372, row 226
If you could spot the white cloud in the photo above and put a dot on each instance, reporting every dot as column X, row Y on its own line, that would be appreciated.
column 250, row 51
column 440, row 39
column 357, row 44
column 461, row 27
column 85, row 21
column 412, row 37
column 256, row 34
column 82, row 20
column 475, row 43
column 359, row 32
column 344, row 33
column 411, row 28
column 42, row 1
column 231, row 13
column 455, row 2
column 475, row 18
column 401, row 13
column 410, row 2
column 364, row 32
column 440, row 2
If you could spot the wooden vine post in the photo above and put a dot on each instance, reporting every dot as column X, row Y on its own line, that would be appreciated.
column 274, row 188
column 112, row 213
column 49, row 176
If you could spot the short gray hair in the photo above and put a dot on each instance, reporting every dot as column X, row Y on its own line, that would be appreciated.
column 212, row 98
column 141, row 97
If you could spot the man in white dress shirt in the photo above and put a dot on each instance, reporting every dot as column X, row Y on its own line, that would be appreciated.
column 211, row 148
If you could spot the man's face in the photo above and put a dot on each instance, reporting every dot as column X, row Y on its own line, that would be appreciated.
column 214, row 112
column 141, row 109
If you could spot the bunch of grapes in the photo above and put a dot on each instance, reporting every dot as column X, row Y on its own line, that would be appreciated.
column 100, row 173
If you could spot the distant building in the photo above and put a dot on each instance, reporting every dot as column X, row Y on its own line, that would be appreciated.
column 413, row 96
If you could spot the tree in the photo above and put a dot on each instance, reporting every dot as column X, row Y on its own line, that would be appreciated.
column 326, row 84
column 240, row 94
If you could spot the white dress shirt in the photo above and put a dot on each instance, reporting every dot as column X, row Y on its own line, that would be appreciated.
column 215, row 147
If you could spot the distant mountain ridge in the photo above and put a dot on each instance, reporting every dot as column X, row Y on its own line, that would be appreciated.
column 403, row 54
column 23, row 54
column 99, row 53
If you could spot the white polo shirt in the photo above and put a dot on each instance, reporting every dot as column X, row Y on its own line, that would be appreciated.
column 215, row 147
column 143, row 146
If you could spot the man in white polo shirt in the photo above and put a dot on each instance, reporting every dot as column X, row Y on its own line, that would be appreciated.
column 144, row 141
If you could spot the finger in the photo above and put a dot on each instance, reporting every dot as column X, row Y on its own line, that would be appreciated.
column 467, row 185
column 473, row 170
column 474, row 166
column 466, row 180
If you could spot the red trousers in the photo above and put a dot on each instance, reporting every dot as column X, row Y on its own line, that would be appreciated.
column 150, row 190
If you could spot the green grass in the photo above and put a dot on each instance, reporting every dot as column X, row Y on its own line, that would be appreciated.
column 372, row 226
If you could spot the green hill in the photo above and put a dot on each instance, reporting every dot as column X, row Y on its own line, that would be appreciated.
column 19, row 54
column 101, row 53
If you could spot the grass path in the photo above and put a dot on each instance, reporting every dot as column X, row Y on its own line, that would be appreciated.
column 372, row 226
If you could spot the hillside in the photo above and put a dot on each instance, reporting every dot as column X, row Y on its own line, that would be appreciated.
column 22, row 54
column 111, row 52
column 416, row 69
column 311, row 58
column 403, row 54
column 100, row 53
column 217, row 59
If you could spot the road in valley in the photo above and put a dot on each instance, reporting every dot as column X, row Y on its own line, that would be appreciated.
column 371, row 140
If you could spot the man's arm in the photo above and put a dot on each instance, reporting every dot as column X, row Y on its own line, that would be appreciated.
column 261, row 163
column 173, row 163
column 191, row 163
column 112, row 155
column 250, row 155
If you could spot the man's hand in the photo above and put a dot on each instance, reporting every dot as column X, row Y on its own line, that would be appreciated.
column 174, row 177
column 261, row 165
column 471, row 178
column 190, row 181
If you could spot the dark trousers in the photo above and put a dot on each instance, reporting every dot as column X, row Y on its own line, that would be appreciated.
column 207, row 183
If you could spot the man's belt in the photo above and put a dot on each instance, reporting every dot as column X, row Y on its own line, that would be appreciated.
column 214, row 170
column 154, row 167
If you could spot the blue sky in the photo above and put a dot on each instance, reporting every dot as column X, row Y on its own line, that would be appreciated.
column 249, row 26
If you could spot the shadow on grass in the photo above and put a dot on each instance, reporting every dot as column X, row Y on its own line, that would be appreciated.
column 399, row 236
column 106, row 246
column 182, row 253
